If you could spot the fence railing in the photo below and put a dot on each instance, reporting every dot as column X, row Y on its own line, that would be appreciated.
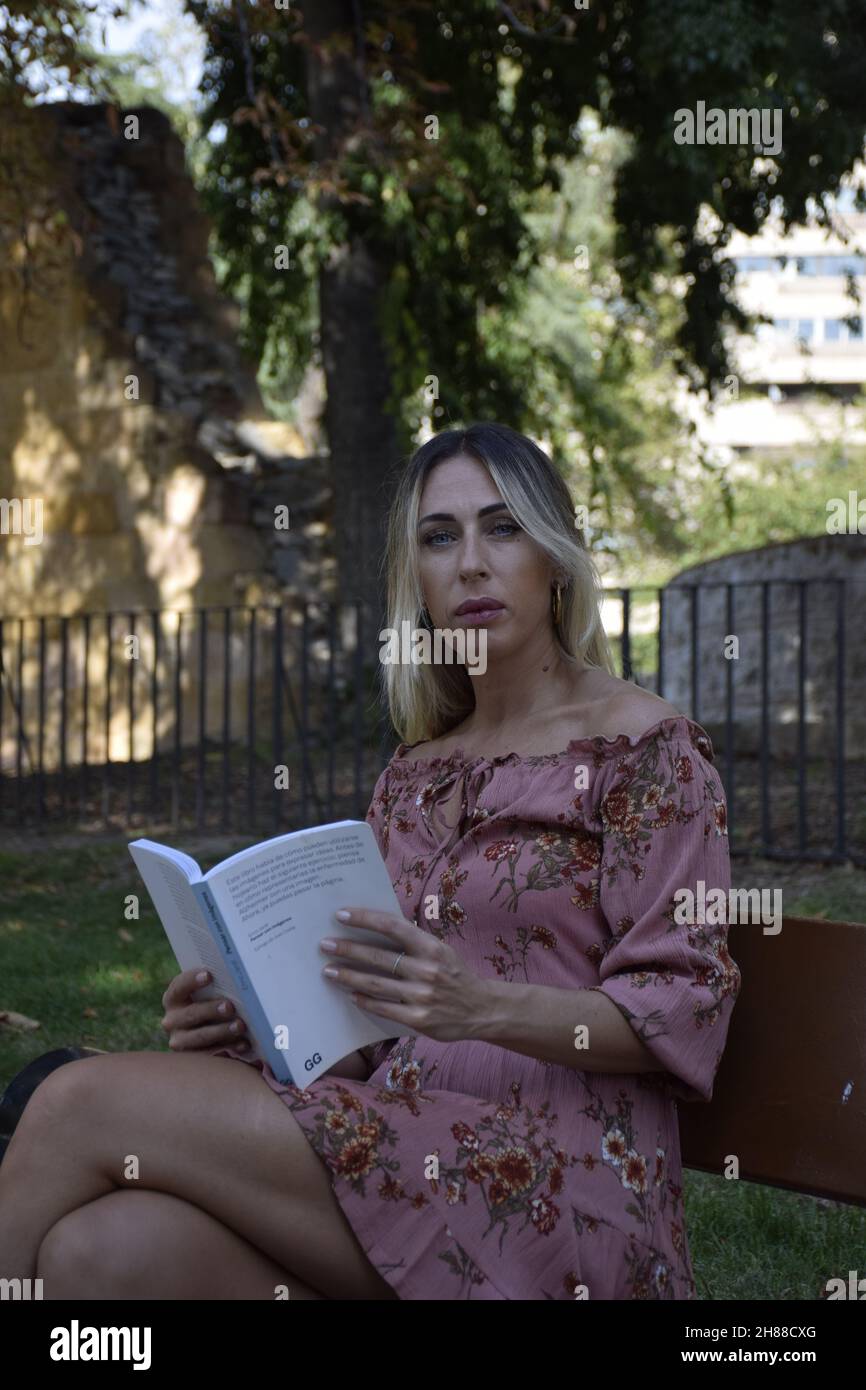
column 259, row 719
column 184, row 718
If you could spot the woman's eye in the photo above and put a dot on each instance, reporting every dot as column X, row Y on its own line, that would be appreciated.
column 510, row 526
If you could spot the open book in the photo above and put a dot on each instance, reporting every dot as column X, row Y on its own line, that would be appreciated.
column 255, row 922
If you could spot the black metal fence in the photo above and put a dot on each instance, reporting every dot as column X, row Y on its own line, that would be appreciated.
column 785, row 710
column 175, row 719
column 254, row 720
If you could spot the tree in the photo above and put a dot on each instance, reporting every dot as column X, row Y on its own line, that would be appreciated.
column 397, row 150
column 352, row 286
column 379, row 182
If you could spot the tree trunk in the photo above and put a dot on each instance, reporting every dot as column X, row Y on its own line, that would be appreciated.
column 364, row 440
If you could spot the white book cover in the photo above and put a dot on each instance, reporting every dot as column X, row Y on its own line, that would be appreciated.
column 255, row 922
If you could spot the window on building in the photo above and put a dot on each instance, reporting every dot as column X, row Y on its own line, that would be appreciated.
column 805, row 330
column 840, row 331
column 840, row 264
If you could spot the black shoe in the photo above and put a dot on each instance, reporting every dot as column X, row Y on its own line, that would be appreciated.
column 22, row 1086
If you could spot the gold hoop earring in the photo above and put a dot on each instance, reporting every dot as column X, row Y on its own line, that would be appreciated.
column 557, row 605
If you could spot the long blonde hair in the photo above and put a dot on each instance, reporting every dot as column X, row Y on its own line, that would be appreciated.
column 426, row 700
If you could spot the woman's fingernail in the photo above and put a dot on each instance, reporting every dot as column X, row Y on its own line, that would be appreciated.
column 233, row 1027
column 344, row 915
column 328, row 943
column 222, row 1008
column 202, row 977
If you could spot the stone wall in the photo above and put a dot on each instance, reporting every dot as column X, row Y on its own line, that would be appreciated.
column 820, row 560
column 129, row 414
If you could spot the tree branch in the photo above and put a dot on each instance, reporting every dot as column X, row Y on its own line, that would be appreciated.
column 266, row 127
column 532, row 33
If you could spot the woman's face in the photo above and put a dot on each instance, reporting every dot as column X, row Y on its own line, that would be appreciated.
column 464, row 555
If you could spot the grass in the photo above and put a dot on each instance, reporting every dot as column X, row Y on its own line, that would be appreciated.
column 835, row 892
column 753, row 1242
column 72, row 960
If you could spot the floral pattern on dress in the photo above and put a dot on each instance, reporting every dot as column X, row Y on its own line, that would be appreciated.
column 552, row 859
column 468, row 1169
column 650, row 1271
column 511, row 958
column 515, row 1167
column 644, row 797
column 357, row 1142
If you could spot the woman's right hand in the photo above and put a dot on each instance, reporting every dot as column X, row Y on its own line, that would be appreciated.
column 193, row 1027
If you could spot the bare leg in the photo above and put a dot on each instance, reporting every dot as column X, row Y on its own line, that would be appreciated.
column 148, row 1245
column 205, row 1129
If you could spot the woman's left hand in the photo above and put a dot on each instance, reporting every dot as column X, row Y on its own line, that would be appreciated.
column 432, row 993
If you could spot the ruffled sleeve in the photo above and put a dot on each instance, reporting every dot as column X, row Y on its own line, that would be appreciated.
column 663, row 821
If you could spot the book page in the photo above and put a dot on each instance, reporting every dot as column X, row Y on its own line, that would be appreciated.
column 241, row 856
column 278, row 904
column 190, row 939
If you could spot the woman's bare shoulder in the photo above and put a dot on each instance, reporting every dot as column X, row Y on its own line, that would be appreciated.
column 621, row 707
column 605, row 707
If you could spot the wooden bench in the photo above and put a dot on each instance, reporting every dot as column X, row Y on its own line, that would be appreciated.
column 790, row 1093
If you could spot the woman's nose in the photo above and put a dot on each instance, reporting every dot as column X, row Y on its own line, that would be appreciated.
column 469, row 557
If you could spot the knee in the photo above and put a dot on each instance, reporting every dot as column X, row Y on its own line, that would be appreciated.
column 63, row 1092
column 99, row 1250
column 76, row 1258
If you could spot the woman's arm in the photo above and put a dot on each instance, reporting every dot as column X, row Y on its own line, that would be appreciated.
column 542, row 1021
column 355, row 1067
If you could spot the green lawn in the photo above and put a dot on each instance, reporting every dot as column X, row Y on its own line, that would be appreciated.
column 71, row 959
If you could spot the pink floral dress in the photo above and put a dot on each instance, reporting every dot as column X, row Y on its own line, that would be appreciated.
column 467, row 1170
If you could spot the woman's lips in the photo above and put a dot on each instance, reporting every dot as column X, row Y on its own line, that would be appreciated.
column 477, row 616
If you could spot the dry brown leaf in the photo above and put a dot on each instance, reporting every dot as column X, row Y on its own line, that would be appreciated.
column 18, row 1020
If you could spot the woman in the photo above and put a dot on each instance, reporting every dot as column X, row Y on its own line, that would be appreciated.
column 518, row 1138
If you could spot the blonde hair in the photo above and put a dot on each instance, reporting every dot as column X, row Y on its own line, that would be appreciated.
column 426, row 700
